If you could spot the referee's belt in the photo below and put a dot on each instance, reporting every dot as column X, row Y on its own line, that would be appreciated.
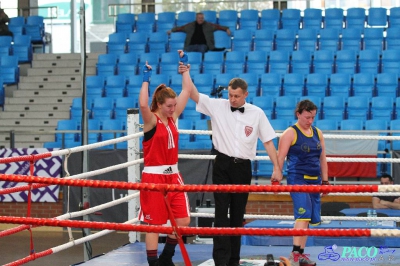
column 234, row 159
column 161, row 169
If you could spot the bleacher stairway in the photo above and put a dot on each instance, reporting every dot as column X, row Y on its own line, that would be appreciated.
column 42, row 97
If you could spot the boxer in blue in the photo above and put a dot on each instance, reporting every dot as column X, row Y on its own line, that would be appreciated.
column 303, row 147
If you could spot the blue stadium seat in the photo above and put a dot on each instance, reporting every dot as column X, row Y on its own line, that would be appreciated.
column 346, row 61
column 175, row 81
column 158, row 79
column 22, row 48
column 351, row 39
column 285, row 39
column 364, row 85
column 102, row 108
column 373, row 39
column 270, row 19
column 223, row 79
column 127, row 64
column 323, row 62
column 279, row 62
column 137, row 42
column 271, row 85
column 228, row 18
column 151, row 58
column 394, row 17
column 213, row 62
column 70, row 124
column 170, row 58
column 387, row 84
column 242, row 40
column 106, row 65
column 16, row 25
column 185, row 17
column 291, row 18
column 340, row 85
column 145, row 22
column 165, row 21
column 235, row 62
column 391, row 61
column 116, row 43
column 369, row 61
column 266, row 103
column 210, row 16
column 204, row 83
column 358, row 108
column 293, row 85
column 334, row 108
column 352, row 124
column 123, row 104
column 176, row 41
column 356, row 18
column 327, row 124
column 307, row 40
column 329, row 39
column 378, row 125
column 317, row 84
column 256, row 62
column 6, row 45
column 301, row 62
column 195, row 60
column 382, row 108
column 252, row 80
column 125, row 23
column 392, row 40
column 9, row 69
column 34, row 27
column 285, row 106
column 264, row 40
column 249, row 19
column 111, row 125
column 115, row 86
column 134, row 83
column 222, row 40
column 395, row 125
column 95, row 85
column 334, row 19
column 312, row 19
column 158, row 42
column 377, row 17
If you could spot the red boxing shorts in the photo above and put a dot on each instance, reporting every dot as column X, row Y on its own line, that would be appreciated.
column 153, row 208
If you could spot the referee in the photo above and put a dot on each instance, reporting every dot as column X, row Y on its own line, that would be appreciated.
column 236, row 127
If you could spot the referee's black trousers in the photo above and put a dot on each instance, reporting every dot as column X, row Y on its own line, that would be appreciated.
column 226, row 170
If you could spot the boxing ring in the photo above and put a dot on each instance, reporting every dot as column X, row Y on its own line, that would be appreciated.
column 198, row 254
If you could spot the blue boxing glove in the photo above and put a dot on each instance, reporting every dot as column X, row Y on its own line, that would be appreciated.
column 146, row 74
column 184, row 59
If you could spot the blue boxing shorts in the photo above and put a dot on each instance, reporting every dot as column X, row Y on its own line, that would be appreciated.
column 306, row 206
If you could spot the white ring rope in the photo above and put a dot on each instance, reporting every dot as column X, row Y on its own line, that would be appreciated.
column 98, row 207
column 329, row 159
column 88, row 238
column 341, row 135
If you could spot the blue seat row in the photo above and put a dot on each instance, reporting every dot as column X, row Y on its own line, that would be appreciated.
column 99, row 130
column 32, row 26
column 20, row 46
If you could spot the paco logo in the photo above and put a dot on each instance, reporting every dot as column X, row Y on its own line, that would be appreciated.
column 356, row 254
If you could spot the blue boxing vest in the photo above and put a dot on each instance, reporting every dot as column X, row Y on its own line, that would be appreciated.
column 303, row 156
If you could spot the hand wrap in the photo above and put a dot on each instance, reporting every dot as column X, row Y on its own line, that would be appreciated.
column 146, row 74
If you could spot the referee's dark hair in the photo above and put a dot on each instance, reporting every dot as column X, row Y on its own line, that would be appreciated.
column 238, row 83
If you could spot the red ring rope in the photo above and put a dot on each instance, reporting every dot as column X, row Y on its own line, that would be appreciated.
column 190, row 188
